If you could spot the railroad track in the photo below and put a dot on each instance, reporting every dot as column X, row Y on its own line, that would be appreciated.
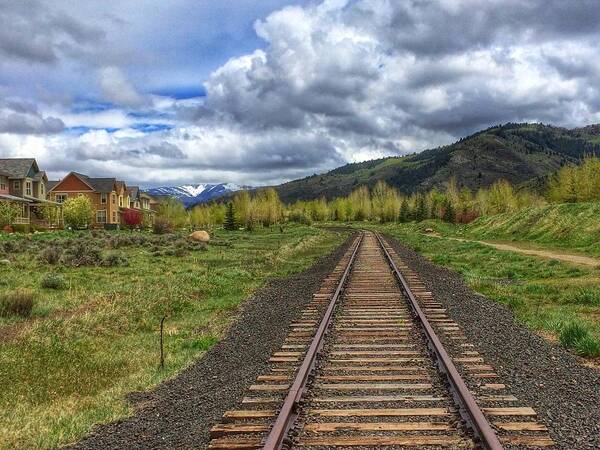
column 366, row 366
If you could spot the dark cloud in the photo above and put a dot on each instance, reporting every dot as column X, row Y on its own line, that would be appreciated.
column 19, row 117
column 30, row 31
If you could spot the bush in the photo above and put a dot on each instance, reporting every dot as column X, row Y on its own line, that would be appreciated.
column 132, row 218
column 82, row 254
column 300, row 217
column 9, row 211
column 161, row 225
column 53, row 281
column 18, row 303
column 78, row 212
column 50, row 255
column 21, row 228
column 114, row 260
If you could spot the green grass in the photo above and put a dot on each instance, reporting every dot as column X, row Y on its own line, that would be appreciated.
column 570, row 226
column 94, row 340
column 558, row 299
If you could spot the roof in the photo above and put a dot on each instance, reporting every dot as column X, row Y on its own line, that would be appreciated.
column 17, row 167
column 40, row 176
column 12, row 198
column 51, row 183
column 133, row 191
column 98, row 184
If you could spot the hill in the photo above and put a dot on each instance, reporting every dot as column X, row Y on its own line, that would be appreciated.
column 570, row 226
column 521, row 153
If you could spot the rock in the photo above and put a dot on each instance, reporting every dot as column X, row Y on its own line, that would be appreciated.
column 4, row 262
column 429, row 230
column 200, row 236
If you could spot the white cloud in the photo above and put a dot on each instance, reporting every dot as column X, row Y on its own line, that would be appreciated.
column 118, row 90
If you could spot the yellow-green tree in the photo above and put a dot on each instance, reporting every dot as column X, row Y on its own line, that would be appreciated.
column 78, row 212
column 173, row 210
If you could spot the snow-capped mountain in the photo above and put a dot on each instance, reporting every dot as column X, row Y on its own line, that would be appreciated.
column 192, row 194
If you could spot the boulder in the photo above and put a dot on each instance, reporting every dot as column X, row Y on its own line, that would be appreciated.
column 4, row 262
column 429, row 230
column 200, row 236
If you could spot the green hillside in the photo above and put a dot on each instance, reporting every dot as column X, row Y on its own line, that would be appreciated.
column 520, row 153
column 573, row 226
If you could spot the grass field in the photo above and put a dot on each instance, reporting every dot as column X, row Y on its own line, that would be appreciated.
column 560, row 300
column 92, row 333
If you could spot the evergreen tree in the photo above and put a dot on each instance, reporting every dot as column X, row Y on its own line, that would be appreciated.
column 230, row 222
column 404, row 211
column 449, row 213
column 420, row 209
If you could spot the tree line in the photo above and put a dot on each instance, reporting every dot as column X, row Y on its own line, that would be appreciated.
column 382, row 203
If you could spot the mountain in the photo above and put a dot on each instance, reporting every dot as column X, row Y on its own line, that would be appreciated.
column 192, row 194
column 521, row 153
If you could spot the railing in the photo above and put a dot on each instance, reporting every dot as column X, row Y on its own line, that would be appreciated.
column 21, row 221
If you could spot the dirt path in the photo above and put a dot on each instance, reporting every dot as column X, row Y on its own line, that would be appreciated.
column 549, row 254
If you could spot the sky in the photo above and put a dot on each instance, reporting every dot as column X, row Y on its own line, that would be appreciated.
column 261, row 92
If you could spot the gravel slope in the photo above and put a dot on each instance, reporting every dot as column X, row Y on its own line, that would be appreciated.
column 179, row 413
column 565, row 393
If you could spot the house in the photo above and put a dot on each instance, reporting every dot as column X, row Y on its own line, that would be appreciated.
column 106, row 195
column 141, row 201
column 22, row 182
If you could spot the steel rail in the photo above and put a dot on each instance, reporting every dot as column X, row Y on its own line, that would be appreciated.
column 289, row 410
column 468, row 407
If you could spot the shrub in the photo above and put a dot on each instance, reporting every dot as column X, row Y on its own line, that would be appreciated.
column 53, row 281
column 300, row 217
column 82, row 254
column 21, row 228
column 18, row 303
column 161, row 225
column 78, row 212
column 9, row 211
column 132, row 218
column 50, row 255
column 114, row 260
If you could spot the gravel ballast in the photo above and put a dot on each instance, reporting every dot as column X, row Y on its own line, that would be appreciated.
column 565, row 393
column 179, row 413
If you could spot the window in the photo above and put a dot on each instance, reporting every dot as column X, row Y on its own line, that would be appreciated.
column 60, row 198
column 114, row 216
column 17, row 185
column 103, row 198
column 114, row 199
column 2, row 185
column 121, row 201
column 101, row 216
column 42, row 188
column 28, row 188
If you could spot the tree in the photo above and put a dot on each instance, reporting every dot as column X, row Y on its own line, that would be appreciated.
column 449, row 213
column 9, row 211
column 78, row 212
column 230, row 222
column 420, row 208
column 132, row 218
column 173, row 210
column 404, row 211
